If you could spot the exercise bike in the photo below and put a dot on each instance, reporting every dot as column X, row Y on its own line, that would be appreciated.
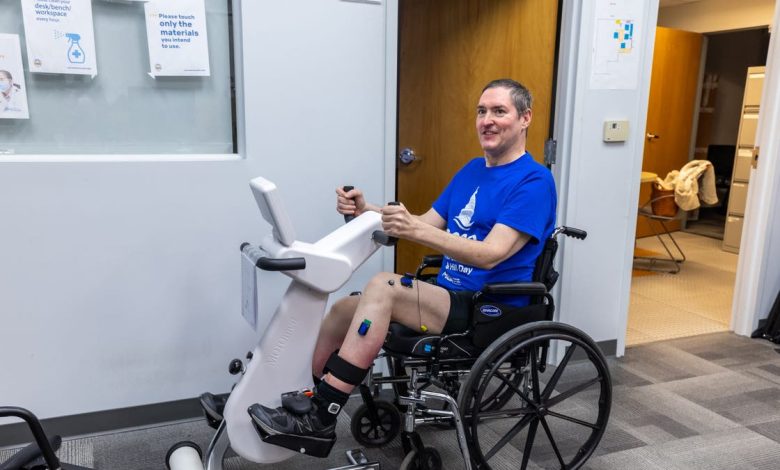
column 281, row 360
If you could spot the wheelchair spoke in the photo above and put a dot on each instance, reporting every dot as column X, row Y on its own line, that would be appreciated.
column 552, row 442
column 574, row 420
column 519, row 392
column 504, row 413
column 571, row 392
column 529, row 443
column 534, row 374
column 558, row 372
column 519, row 426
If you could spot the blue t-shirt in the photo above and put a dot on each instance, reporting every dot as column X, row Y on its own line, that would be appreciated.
column 520, row 195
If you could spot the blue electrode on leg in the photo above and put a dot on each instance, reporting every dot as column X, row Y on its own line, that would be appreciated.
column 407, row 280
column 363, row 329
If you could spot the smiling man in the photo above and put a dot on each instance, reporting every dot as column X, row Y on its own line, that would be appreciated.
column 490, row 222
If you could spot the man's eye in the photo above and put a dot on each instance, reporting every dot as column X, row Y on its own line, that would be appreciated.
column 500, row 112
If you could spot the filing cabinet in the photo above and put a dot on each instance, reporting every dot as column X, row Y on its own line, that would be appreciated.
column 746, row 140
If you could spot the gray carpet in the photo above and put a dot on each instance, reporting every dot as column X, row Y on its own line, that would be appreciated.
column 706, row 402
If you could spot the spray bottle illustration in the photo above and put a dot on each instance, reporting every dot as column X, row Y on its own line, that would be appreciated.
column 75, row 52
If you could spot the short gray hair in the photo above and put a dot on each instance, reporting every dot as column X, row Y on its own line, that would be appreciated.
column 519, row 93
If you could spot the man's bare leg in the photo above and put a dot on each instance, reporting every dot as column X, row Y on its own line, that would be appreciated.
column 381, row 302
column 334, row 328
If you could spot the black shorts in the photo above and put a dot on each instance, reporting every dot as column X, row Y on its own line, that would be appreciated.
column 461, row 306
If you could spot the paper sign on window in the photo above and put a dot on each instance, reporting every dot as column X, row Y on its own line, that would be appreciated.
column 13, row 92
column 176, row 33
column 60, row 36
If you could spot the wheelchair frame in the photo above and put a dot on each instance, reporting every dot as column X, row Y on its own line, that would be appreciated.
column 517, row 358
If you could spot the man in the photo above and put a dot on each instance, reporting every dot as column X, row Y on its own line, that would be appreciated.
column 490, row 223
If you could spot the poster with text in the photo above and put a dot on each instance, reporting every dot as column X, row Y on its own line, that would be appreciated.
column 13, row 92
column 60, row 36
column 176, row 33
column 616, row 44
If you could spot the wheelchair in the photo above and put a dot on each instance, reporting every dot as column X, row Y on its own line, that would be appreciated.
column 493, row 383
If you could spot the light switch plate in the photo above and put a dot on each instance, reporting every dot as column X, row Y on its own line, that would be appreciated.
column 615, row 131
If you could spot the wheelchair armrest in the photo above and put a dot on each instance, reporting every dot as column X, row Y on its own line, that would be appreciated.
column 432, row 261
column 514, row 288
column 428, row 261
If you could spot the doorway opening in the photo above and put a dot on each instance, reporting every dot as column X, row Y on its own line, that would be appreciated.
column 721, row 117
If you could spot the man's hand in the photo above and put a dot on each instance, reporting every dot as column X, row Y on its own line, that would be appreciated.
column 398, row 222
column 350, row 202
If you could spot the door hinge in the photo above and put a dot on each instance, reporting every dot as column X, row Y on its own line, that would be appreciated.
column 550, row 150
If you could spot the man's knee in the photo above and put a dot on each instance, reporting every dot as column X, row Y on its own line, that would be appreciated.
column 383, row 284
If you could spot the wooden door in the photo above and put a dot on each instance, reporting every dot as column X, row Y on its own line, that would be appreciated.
column 446, row 55
column 673, row 85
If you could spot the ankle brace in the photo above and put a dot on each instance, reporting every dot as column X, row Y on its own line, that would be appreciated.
column 343, row 370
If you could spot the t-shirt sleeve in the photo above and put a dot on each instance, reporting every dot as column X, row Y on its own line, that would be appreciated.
column 528, row 206
column 442, row 203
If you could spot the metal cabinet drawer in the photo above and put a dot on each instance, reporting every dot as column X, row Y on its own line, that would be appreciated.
column 737, row 198
column 742, row 165
column 732, row 234
column 747, row 133
column 753, row 87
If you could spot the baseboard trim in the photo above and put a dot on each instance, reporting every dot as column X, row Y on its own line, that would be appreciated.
column 103, row 421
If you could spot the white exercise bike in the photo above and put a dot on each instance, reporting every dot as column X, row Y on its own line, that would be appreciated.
column 281, row 360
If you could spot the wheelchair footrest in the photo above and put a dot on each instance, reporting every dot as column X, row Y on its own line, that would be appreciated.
column 308, row 445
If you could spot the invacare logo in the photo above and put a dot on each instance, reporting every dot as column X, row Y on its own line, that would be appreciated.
column 490, row 310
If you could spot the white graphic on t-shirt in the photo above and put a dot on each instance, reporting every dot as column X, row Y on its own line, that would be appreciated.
column 452, row 280
column 463, row 220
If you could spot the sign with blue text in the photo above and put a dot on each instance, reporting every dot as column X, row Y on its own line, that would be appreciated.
column 60, row 36
column 176, row 33
column 13, row 92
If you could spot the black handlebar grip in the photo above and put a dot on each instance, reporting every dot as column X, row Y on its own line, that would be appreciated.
column 391, row 241
column 348, row 217
column 575, row 232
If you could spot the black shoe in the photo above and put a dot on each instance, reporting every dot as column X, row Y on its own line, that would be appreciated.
column 213, row 407
column 302, row 432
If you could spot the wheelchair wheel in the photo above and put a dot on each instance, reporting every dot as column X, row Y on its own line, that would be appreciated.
column 555, row 418
column 369, row 435
column 427, row 458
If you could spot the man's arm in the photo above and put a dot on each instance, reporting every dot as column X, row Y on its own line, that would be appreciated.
column 354, row 203
column 501, row 243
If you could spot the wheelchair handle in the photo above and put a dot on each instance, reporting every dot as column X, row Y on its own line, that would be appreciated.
column 572, row 232
column 348, row 217
column 37, row 431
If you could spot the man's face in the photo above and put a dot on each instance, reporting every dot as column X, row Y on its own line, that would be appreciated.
column 499, row 127
column 5, row 83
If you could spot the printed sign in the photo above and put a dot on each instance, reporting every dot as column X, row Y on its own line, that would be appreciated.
column 176, row 33
column 13, row 92
column 60, row 36
column 616, row 44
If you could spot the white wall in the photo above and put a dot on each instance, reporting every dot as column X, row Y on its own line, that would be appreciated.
column 717, row 15
column 594, row 177
column 758, row 272
column 119, row 280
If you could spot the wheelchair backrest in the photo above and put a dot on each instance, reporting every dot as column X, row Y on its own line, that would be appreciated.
column 544, row 271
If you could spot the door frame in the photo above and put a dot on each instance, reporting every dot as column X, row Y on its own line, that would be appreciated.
column 751, row 288
column 756, row 286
